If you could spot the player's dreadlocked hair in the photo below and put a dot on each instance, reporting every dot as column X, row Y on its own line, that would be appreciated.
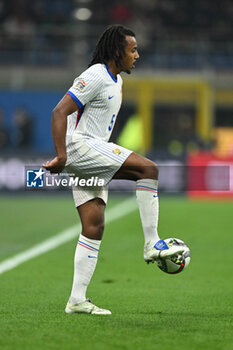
column 111, row 45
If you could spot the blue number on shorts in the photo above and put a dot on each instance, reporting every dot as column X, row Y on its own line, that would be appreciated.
column 112, row 122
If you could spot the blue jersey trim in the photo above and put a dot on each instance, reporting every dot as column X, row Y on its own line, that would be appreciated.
column 79, row 103
column 111, row 75
column 80, row 113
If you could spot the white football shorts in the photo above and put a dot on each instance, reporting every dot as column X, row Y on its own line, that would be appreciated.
column 96, row 162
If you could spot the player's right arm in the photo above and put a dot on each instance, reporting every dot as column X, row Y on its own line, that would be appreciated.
column 59, row 125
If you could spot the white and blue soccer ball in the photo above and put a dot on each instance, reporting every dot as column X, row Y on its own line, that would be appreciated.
column 177, row 263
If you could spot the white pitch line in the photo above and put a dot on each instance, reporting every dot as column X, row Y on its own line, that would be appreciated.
column 124, row 208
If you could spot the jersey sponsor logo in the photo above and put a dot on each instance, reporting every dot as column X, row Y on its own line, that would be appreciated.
column 110, row 97
column 80, row 85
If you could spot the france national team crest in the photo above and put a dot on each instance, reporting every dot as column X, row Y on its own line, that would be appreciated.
column 80, row 85
column 35, row 178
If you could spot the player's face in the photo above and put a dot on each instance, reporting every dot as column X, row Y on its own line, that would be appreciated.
column 131, row 54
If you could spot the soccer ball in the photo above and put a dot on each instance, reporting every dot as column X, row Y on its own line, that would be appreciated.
column 177, row 263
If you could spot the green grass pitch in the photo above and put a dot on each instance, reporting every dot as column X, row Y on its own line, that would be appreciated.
column 150, row 309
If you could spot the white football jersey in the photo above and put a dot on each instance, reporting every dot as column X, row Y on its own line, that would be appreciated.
column 98, row 95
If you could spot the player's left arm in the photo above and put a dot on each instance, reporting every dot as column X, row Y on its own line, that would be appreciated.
column 59, row 125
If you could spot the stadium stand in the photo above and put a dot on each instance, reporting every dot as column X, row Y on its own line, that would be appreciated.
column 172, row 34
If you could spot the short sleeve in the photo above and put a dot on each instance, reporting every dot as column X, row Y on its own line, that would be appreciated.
column 86, row 87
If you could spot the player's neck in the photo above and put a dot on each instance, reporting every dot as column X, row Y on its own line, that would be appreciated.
column 112, row 67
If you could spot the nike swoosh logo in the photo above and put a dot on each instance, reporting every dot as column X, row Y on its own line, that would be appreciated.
column 91, row 256
column 110, row 97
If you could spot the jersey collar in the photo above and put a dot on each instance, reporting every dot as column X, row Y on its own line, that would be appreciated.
column 111, row 75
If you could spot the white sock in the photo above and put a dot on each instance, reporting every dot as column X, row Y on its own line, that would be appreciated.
column 147, row 198
column 85, row 261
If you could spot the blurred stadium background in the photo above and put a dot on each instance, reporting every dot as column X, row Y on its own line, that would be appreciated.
column 178, row 102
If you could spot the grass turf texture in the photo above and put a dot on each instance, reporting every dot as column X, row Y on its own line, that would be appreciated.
column 151, row 310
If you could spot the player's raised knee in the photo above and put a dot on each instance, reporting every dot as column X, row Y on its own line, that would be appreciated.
column 151, row 171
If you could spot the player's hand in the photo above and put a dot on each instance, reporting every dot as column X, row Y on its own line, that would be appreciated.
column 55, row 166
